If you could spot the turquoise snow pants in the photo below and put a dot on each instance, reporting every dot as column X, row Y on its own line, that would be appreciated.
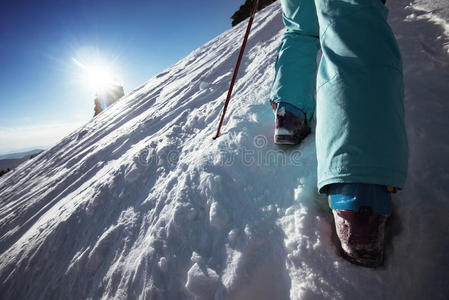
column 358, row 87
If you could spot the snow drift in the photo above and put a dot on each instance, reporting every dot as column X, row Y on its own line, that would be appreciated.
column 141, row 203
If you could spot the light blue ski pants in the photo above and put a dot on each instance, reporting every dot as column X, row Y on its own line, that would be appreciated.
column 358, row 87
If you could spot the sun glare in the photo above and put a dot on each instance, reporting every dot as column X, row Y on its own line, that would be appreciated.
column 97, row 76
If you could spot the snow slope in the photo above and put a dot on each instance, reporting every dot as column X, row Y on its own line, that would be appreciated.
column 141, row 203
column 436, row 11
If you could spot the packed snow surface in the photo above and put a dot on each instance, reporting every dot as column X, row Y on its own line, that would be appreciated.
column 141, row 203
column 435, row 11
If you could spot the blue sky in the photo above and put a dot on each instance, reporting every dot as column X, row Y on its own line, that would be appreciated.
column 43, row 96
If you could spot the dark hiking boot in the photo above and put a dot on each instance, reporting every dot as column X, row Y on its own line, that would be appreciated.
column 291, row 125
column 361, row 234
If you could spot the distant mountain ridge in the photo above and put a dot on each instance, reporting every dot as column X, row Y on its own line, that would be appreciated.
column 10, row 161
column 18, row 155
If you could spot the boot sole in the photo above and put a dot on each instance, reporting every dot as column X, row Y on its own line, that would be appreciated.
column 285, row 140
column 288, row 139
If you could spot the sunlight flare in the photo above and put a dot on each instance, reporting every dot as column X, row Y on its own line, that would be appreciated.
column 97, row 76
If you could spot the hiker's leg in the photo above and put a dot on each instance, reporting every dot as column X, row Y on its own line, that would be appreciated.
column 360, row 133
column 295, row 78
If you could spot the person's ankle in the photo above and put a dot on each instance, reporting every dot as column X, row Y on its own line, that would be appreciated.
column 352, row 196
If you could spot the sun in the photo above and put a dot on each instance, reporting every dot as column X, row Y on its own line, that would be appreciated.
column 97, row 75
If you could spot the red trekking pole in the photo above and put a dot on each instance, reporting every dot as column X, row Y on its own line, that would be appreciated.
column 236, row 70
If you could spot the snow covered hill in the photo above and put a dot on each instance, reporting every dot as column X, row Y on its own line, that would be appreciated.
column 141, row 203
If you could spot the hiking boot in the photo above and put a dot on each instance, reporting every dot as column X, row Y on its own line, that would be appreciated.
column 361, row 234
column 360, row 212
column 291, row 125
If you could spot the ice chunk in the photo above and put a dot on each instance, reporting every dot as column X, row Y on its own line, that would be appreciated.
column 217, row 216
column 163, row 264
column 202, row 282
